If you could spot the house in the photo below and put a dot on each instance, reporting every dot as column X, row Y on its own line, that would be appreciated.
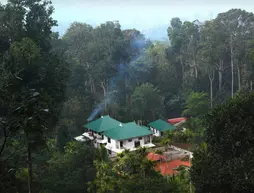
column 117, row 136
column 96, row 128
column 156, row 157
column 170, row 168
column 159, row 126
column 176, row 121
column 165, row 167
column 127, row 136
column 80, row 138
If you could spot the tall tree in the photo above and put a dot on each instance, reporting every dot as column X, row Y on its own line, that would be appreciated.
column 238, row 25
column 35, row 77
column 228, row 150
column 147, row 102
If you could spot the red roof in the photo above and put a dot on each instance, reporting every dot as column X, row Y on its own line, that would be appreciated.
column 156, row 157
column 168, row 168
column 176, row 120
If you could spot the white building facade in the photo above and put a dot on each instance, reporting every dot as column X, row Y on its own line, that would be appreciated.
column 156, row 132
column 116, row 136
column 118, row 146
column 159, row 127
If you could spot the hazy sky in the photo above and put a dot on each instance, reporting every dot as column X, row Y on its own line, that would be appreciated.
column 142, row 14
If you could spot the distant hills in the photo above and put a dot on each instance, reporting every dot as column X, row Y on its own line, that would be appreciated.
column 156, row 32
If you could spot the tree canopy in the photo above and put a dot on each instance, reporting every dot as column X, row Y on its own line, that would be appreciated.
column 227, row 151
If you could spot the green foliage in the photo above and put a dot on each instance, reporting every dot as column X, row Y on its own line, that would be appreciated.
column 196, row 104
column 228, row 152
column 132, row 173
column 186, row 136
column 147, row 101
column 158, row 151
column 177, row 136
column 175, row 105
column 26, row 51
column 71, row 170
column 33, row 87
column 197, row 126
column 157, row 139
column 22, row 174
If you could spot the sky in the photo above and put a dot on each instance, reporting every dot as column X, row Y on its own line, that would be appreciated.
column 148, row 16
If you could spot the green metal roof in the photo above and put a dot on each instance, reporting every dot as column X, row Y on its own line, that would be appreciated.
column 161, row 125
column 146, row 127
column 127, row 131
column 102, row 124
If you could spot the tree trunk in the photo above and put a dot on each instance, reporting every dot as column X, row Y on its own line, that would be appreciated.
column 196, row 70
column 251, row 85
column 232, row 66
column 220, row 80
column 104, row 89
column 125, row 86
column 220, row 70
column 93, row 90
column 5, row 140
column 29, row 166
column 182, row 66
column 104, row 94
column 239, row 76
column 211, row 78
column 211, row 93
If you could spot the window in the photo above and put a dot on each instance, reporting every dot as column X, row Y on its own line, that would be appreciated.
column 137, row 144
column 102, row 136
column 109, row 140
column 129, row 140
column 117, row 145
column 140, row 138
column 147, row 139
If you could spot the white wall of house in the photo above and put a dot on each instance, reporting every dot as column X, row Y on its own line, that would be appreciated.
column 118, row 146
column 98, row 135
column 156, row 132
column 128, row 143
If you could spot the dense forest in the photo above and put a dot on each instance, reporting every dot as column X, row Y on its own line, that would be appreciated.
column 50, row 86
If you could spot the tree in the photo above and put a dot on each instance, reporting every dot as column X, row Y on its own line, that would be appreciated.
column 34, row 77
column 196, row 104
column 62, row 175
column 147, row 102
column 228, row 150
column 238, row 25
column 185, row 39
column 30, row 119
column 133, row 172
column 209, row 56
column 176, row 39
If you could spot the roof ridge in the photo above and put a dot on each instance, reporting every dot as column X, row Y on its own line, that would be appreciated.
column 130, row 122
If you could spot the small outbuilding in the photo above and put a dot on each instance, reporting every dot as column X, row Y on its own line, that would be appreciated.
column 159, row 126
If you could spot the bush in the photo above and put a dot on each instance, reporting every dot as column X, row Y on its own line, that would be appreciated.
column 157, row 139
